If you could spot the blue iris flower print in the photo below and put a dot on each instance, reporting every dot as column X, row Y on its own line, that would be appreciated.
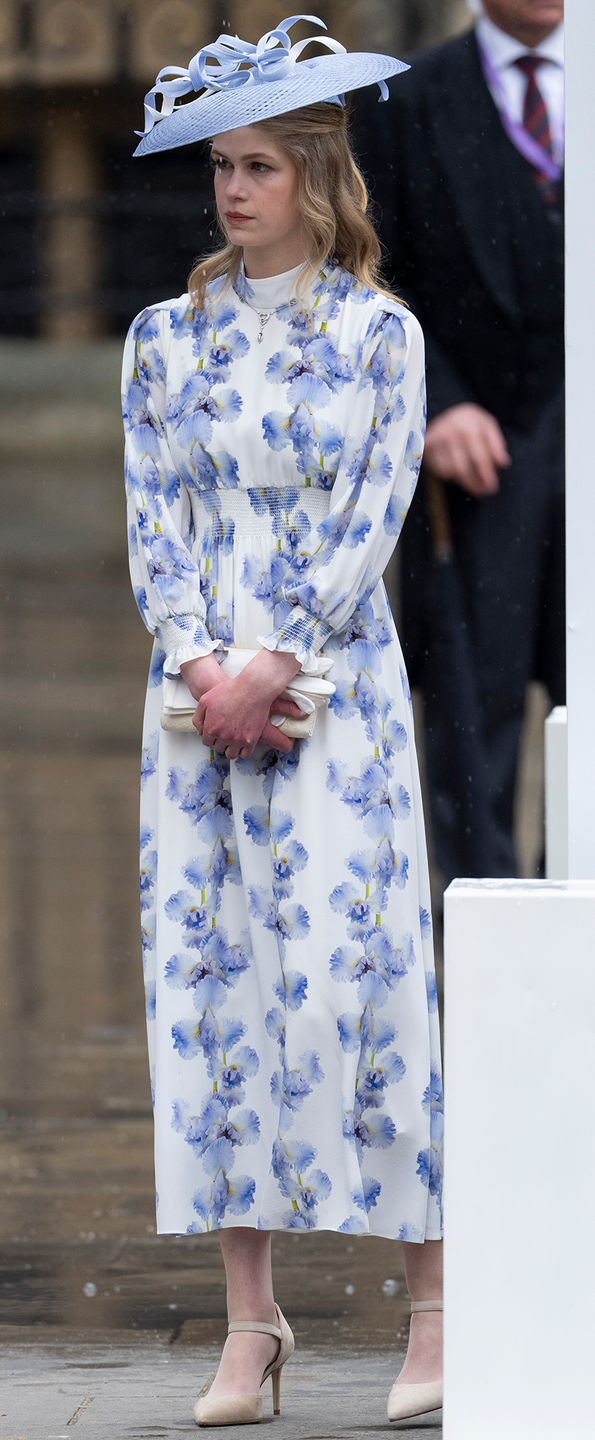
column 394, row 515
column 290, row 923
column 432, row 991
column 217, row 967
column 429, row 1161
column 156, row 670
column 367, row 1197
column 368, row 1129
column 272, row 768
column 196, row 919
column 230, row 1075
column 413, row 452
column 150, row 999
column 226, row 1193
column 149, row 757
column 148, row 876
column 148, row 930
column 425, row 921
column 374, row 1079
column 359, row 905
column 289, row 1088
column 287, row 859
column 275, row 1027
column 206, row 799
column 291, row 989
column 291, row 1160
column 411, row 1233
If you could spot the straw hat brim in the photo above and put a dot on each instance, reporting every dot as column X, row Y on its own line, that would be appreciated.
column 311, row 81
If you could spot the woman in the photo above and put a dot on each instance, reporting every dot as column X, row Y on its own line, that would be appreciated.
column 275, row 418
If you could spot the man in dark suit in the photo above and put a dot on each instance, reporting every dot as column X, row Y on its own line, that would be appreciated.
column 467, row 156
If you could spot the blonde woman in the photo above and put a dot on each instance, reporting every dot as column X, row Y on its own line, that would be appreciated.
column 274, row 420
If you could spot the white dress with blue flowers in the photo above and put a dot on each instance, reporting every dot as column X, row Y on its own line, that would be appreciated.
column 291, row 996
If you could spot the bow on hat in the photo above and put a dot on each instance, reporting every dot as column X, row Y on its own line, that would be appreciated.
column 217, row 67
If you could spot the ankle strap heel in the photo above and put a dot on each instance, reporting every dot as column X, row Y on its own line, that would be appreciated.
column 406, row 1401
column 247, row 1409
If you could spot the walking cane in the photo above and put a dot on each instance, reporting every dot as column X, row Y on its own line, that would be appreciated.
column 456, row 765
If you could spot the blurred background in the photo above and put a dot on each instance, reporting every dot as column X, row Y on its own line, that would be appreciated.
column 88, row 238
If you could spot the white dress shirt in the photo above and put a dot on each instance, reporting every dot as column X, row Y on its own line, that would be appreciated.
column 503, row 50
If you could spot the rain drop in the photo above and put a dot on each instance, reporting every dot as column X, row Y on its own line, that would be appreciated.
column 89, row 1289
column 350, row 1289
column 390, row 1288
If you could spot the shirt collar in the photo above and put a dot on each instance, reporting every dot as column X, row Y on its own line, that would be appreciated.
column 503, row 49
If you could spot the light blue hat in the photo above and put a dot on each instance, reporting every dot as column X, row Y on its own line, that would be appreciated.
column 244, row 83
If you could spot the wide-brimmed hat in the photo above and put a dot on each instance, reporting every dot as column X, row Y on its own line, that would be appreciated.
column 243, row 83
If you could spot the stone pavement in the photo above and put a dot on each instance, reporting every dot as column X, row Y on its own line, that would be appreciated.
column 117, row 1388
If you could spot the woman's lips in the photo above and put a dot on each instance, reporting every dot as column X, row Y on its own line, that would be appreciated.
column 234, row 218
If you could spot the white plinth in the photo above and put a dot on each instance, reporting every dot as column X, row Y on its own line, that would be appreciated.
column 520, row 1160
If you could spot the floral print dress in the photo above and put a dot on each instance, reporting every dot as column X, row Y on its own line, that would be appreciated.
column 291, row 995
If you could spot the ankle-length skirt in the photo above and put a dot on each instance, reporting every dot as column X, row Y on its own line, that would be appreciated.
column 291, row 994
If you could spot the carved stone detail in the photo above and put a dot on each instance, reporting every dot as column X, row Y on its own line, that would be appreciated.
column 73, row 40
column 166, row 32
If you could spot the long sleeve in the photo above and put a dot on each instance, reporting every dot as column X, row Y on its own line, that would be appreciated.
column 372, row 491
column 165, row 576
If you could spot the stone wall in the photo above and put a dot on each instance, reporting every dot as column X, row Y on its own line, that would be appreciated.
column 81, row 220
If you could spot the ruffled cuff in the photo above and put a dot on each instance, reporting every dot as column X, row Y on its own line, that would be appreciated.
column 301, row 634
column 184, row 637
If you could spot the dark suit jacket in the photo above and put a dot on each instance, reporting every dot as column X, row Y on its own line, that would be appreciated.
column 472, row 246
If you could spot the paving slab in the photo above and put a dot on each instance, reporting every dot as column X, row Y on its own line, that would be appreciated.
column 113, row 1388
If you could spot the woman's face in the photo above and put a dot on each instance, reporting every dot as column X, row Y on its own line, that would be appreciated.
column 255, row 189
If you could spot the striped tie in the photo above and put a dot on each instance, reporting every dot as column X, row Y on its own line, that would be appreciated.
column 535, row 120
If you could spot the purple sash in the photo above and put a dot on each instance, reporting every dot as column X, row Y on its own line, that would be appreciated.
column 530, row 148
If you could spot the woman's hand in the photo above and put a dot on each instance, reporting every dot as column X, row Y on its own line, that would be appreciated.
column 201, row 675
column 234, row 715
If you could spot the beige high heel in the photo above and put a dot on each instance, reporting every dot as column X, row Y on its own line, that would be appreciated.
column 247, row 1409
column 405, row 1401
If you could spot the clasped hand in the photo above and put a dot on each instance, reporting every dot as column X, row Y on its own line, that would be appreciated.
column 233, row 716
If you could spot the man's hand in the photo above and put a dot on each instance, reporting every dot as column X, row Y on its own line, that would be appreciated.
column 466, row 445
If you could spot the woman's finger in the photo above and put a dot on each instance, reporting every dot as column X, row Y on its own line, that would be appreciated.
column 274, row 739
column 287, row 707
column 232, row 752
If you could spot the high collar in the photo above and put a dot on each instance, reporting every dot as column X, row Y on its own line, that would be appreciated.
column 267, row 294
column 503, row 49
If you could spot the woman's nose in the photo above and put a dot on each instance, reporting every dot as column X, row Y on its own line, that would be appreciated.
column 236, row 186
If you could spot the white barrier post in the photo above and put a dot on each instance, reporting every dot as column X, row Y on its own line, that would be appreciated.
column 520, row 994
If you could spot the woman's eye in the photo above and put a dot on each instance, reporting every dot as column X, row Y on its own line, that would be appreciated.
column 259, row 165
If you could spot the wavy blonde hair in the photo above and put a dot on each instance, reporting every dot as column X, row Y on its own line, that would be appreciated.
column 332, row 196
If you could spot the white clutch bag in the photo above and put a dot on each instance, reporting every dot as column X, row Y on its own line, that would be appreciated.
column 309, row 692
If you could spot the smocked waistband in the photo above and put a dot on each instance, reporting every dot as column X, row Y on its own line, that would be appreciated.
column 268, row 508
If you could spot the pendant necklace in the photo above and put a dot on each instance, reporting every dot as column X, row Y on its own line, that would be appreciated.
column 264, row 317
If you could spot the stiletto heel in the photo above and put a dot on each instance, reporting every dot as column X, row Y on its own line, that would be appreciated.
column 247, row 1409
column 276, row 1379
column 405, row 1401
